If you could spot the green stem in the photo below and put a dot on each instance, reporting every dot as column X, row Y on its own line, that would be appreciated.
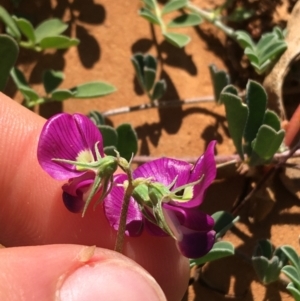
column 210, row 17
column 122, row 224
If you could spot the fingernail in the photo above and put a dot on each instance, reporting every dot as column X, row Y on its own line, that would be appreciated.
column 110, row 280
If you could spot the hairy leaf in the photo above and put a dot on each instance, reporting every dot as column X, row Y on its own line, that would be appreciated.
column 93, row 89
column 177, row 39
column 185, row 21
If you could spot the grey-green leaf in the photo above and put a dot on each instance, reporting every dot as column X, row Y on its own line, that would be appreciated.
column 48, row 28
column 266, row 143
column 20, row 81
column 26, row 28
column 244, row 39
column 9, row 22
column 220, row 249
column 148, row 15
column 185, row 21
column 109, row 135
column 177, row 39
column 223, row 222
column 127, row 141
column 294, row 291
column 9, row 51
column 220, row 79
column 292, row 255
column 96, row 117
column 256, row 99
column 93, row 89
column 138, row 63
column 173, row 5
column 149, row 78
column 237, row 115
column 62, row 94
column 292, row 273
column 159, row 90
column 58, row 42
column 267, row 270
column 272, row 119
column 110, row 150
column 52, row 79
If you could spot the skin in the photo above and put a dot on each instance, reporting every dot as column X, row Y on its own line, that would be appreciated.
column 47, row 257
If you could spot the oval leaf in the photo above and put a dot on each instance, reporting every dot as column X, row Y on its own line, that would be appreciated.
column 177, row 39
column 9, row 51
column 292, row 255
column 173, row 5
column 292, row 273
column 149, row 78
column 159, row 89
column 220, row 249
column 9, row 22
column 93, row 89
column 148, row 15
column 109, row 134
column 58, row 42
column 61, row 95
column 48, row 28
column 127, row 141
column 185, row 21
column 26, row 28
column 220, row 79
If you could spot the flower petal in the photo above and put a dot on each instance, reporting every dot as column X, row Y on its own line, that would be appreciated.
column 74, row 190
column 195, row 244
column 64, row 136
column 113, row 205
column 204, row 167
column 165, row 171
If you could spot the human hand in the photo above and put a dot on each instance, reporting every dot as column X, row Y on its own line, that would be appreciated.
column 32, row 213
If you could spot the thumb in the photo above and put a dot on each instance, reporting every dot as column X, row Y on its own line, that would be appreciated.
column 73, row 272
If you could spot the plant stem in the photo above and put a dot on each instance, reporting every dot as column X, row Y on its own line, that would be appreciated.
column 210, row 17
column 122, row 224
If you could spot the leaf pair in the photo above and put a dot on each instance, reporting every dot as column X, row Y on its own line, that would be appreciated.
column 255, row 130
column 152, row 13
column 51, row 80
column 46, row 35
column 123, row 138
column 145, row 68
column 268, row 262
column 268, row 49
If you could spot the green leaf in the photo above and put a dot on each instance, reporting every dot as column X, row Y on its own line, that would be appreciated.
column 294, row 291
column 244, row 39
column 21, row 83
column 266, row 144
column 173, row 5
column 62, row 94
column 220, row 249
column 49, row 28
column 96, row 117
column 223, row 222
column 149, row 3
column 220, row 79
column 177, row 39
column 109, row 135
column 93, row 89
column 127, row 141
column 26, row 28
column 292, row 273
column 292, row 256
column 138, row 64
column 58, row 42
column 237, row 115
column 256, row 99
column 185, row 21
column 9, row 22
column 110, row 150
column 148, row 15
column 267, row 270
column 159, row 90
column 150, row 61
column 52, row 79
column 149, row 78
column 9, row 51
column 271, row 119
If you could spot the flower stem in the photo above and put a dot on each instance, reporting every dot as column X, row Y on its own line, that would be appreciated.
column 122, row 224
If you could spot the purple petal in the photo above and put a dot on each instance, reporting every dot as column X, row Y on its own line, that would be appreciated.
column 113, row 205
column 195, row 244
column 64, row 136
column 75, row 190
column 165, row 171
column 205, row 166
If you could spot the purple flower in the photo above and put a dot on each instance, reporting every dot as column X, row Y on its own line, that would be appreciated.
column 169, row 195
column 71, row 148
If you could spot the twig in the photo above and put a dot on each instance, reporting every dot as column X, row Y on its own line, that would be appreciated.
column 159, row 104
